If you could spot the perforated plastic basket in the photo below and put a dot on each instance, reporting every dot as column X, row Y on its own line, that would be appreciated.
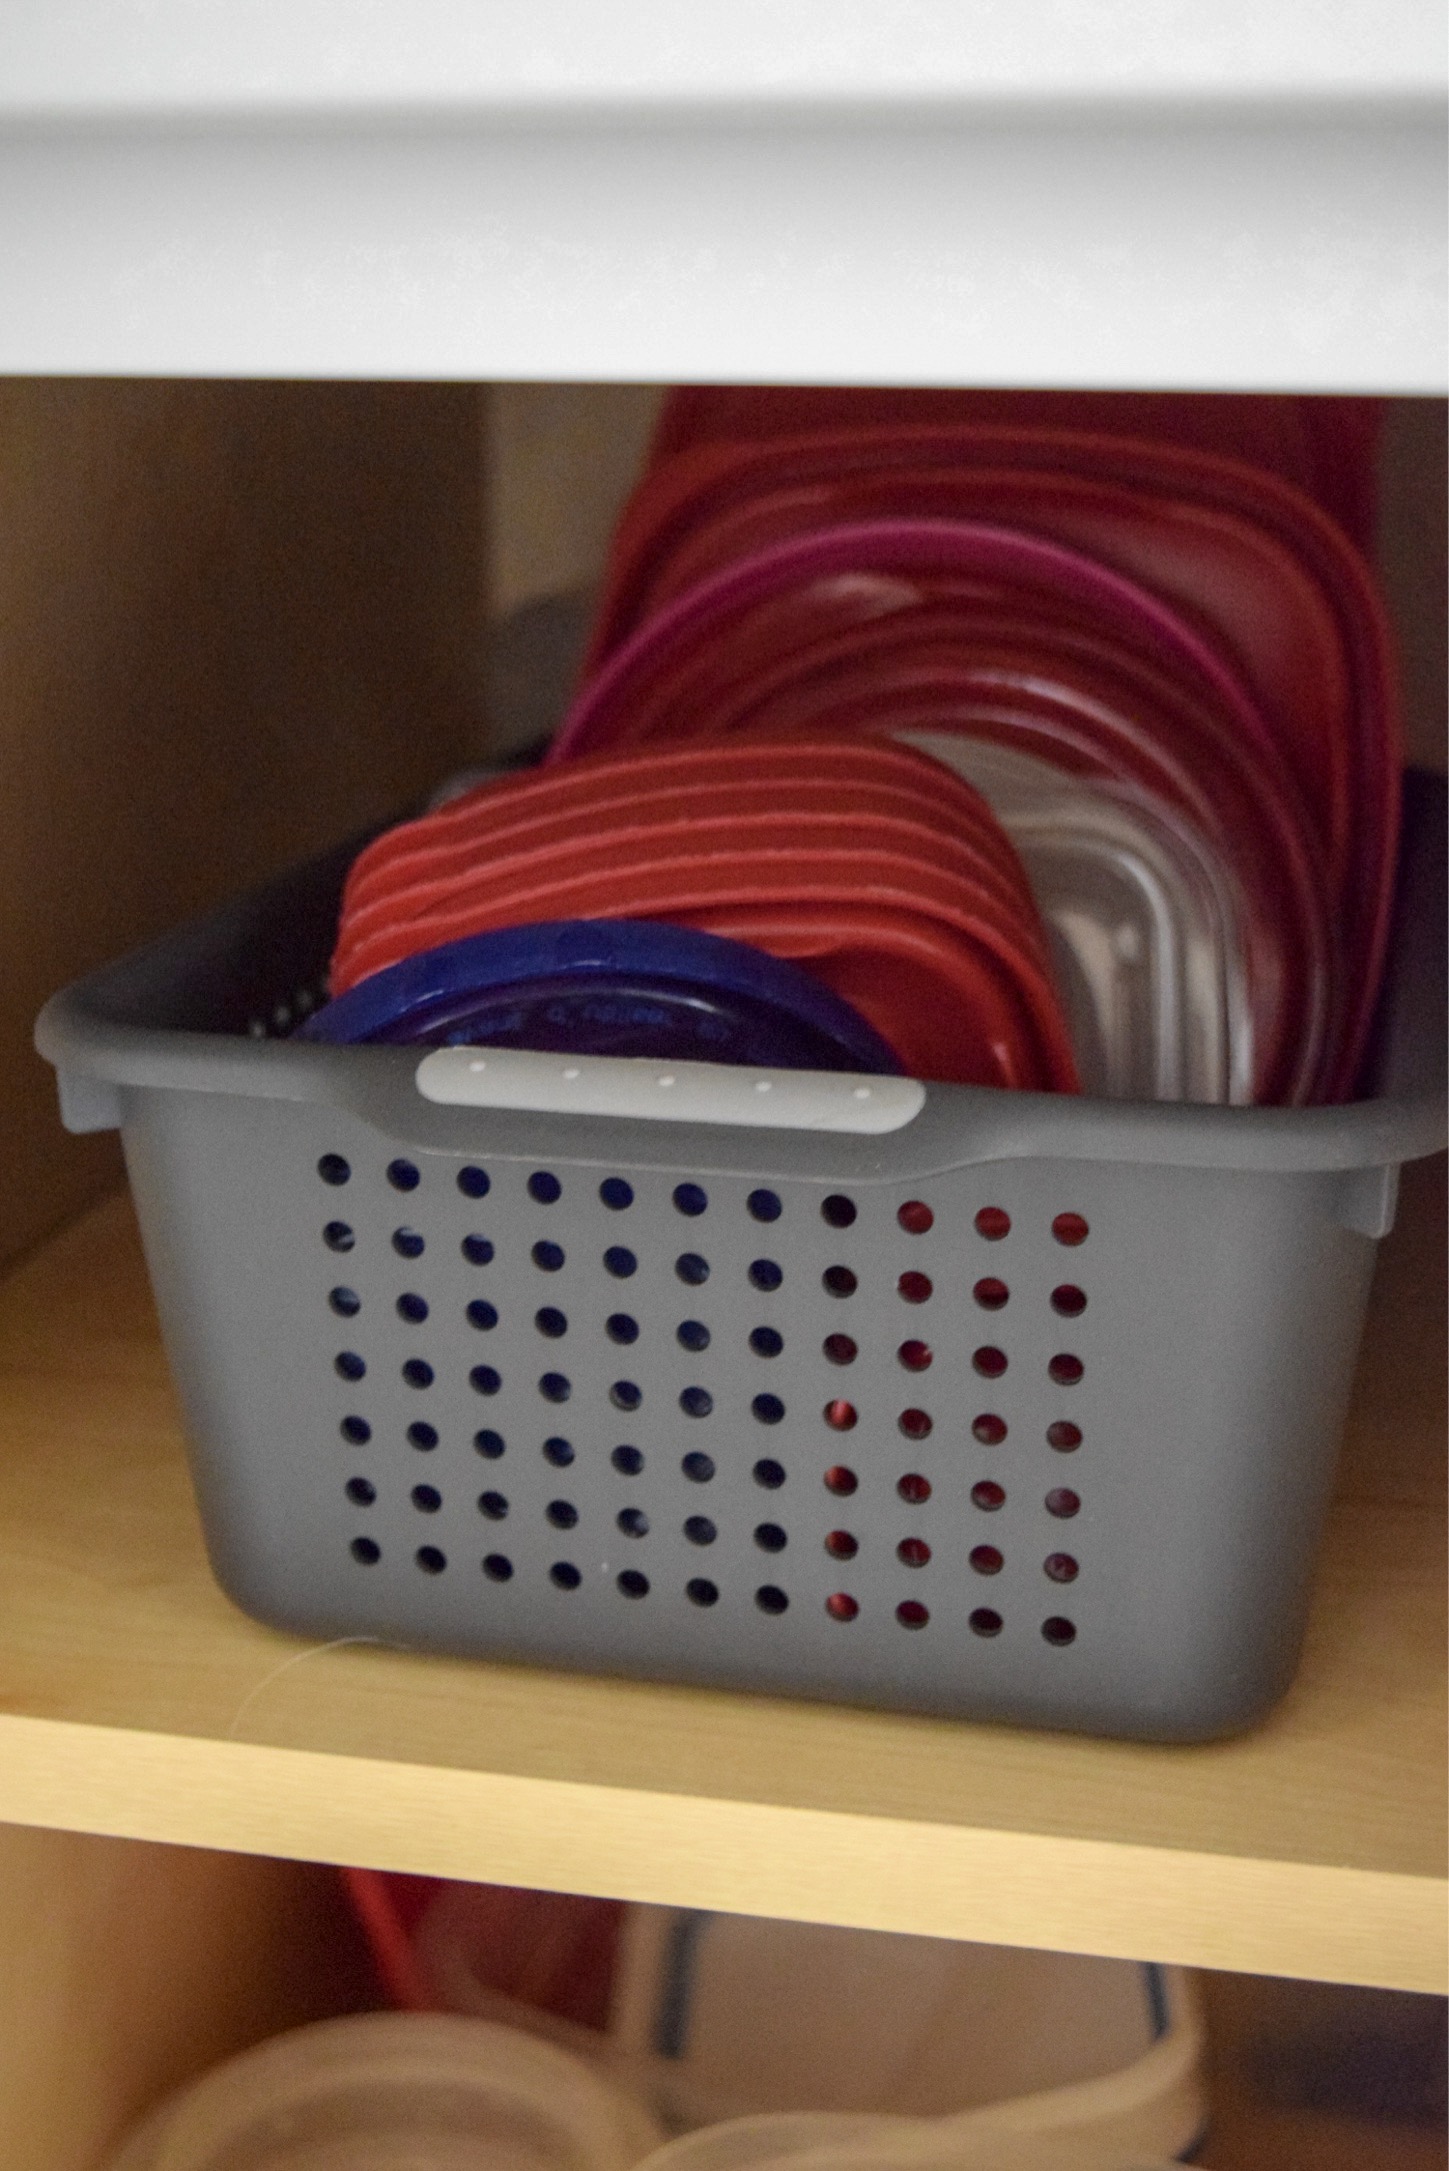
column 1026, row 1408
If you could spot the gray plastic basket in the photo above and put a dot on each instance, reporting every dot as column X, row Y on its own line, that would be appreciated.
column 492, row 1381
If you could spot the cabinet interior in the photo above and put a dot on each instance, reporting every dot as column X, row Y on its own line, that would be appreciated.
column 237, row 621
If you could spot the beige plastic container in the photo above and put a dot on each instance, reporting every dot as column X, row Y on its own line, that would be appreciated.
column 397, row 2092
column 424, row 2092
column 728, row 2148
column 783, row 2039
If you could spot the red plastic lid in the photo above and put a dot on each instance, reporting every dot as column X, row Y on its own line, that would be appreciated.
column 1238, row 585
column 1324, row 446
column 1283, row 922
column 853, row 866
column 873, row 864
column 517, row 816
column 707, row 478
column 876, row 890
column 714, row 665
column 768, row 838
column 950, row 1013
column 950, row 1010
column 839, row 575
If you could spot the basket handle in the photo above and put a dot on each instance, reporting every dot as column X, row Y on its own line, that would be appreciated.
column 609, row 1085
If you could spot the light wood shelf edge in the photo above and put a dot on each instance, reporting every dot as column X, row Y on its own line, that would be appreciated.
column 871, row 1872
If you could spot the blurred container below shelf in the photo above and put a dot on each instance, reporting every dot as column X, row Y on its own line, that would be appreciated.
column 765, row 2040
column 429, row 2092
column 395, row 2092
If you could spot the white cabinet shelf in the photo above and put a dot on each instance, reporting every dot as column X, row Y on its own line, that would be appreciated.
column 1130, row 194
column 83, row 57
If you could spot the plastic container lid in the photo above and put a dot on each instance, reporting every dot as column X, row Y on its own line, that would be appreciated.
column 1206, row 470
column 813, row 573
column 692, row 889
column 609, row 987
column 396, row 2092
column 507, row 816
column 1068, row 708
column 768, row 849
column 951, row 1012
column 881, row 871
column 1248, row 586
column 1323, row 446
column 636, row 821
column 728, row 656
column 1144, row 928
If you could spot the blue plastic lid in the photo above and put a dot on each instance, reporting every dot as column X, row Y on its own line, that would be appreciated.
column 609, row 987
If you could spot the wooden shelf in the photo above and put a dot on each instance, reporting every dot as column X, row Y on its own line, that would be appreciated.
column 135, row 1700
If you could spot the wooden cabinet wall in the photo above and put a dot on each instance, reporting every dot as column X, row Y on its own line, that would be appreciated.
column 127, row 1968
column 236, row 621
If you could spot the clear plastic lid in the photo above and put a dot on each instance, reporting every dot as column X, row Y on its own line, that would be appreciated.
column 1144, row 924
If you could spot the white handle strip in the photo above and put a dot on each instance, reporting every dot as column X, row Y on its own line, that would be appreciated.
column 605, row 1085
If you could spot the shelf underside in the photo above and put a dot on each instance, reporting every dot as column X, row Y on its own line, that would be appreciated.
column 1035, row 237
column 135, row 1700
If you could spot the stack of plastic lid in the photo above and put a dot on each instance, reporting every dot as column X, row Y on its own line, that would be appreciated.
column 843, row 903
column 1142, row 922
column 928, row 733
column 1326, row 449
column 1144, row 613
